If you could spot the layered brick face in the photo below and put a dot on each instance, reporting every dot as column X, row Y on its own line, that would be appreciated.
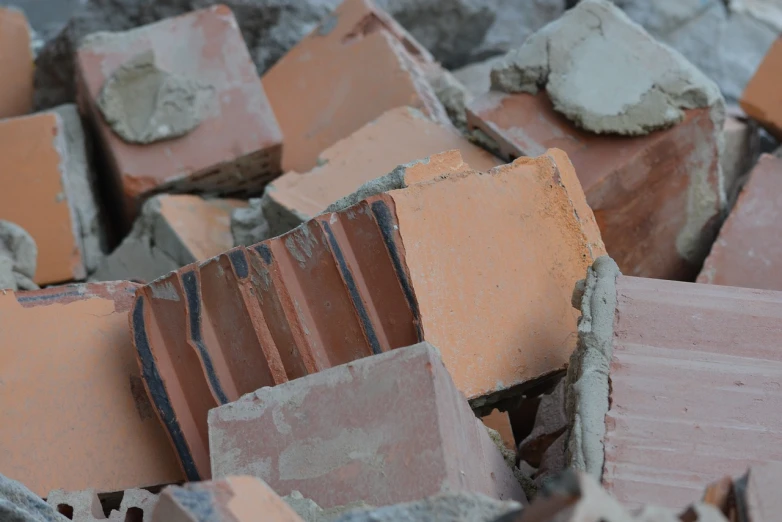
column 16, row 62
column 359, row 432
column 656, row 198
column 235, row 148
column 761, row 98
column 74, row 394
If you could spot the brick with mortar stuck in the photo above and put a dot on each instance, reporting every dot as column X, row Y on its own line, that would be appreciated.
column 235, row 499
column 16, row 62
column 357, row 432
column 761, row 99
column 77, row 370
column 236, row 146
column 49, row 192
column 357, row 64
column 746, row 253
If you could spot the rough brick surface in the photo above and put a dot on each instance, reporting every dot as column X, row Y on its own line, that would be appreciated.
column 385, row 429
column 237, row 145
column 656, row 198
column 50, row 193
column 16, row 60
column 234, row 499
column 77, row 369
column 85, row 506
column 761, row 98
column 357, row 64
column 397, row 137
column 747, row 252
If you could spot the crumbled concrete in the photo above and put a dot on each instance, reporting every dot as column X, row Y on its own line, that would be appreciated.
column 606, row 74
column 81, row 189
column 445, row 507
column 151, row 250
column 248, row 224
column 392, row 181
column 452, row 95
column 586, row 383
column 19, row 504
column 18, row 258
column 143, row 103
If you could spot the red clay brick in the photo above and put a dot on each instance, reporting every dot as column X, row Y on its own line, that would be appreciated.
column 746, row 252
column 385, row 429
column 397, row 137
column 638, row 187
column 16, row 62
column 238, row 145
column 353, row 67
column 761, row 98
column 74, row 394
column 234, row 499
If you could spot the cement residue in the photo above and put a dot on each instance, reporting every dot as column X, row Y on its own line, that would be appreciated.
column 310, row 511
column 509, row 456
column 144, row 103
column 587, row 380
column 394, row 180
column 19, row 504
column 444, row 507
column 18, row 258
column 248, row 224
column 452, row 95
column 605, row 73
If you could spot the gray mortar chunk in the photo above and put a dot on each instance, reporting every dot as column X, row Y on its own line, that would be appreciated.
column 587, row 388
column 248, row 224
column 143, row 104
column 606, row 74
column 18, row 258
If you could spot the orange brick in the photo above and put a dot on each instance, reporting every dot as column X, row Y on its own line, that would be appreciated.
column 747, row 252
column 48, row 193
column 16, row 62
column 238, row 499
column 762, row 99
column 359, row 281
column 399, row 136
column 640, row 188
column 500, row 422
column 235, row 148
column 353, row 67
column 74, row 395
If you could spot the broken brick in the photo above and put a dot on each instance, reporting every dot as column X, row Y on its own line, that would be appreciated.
column 500, row 422
column 761, row 99
column 692, row 394
column 172, row 230
column 239, row 499
column 77, row 370
column 51, row 193
column 399, row 136
column 85, row 506
column 638, row 187
column 745, row 254
column 236, row 146
column 357, row 64
column 359, row 431
column 16, row 62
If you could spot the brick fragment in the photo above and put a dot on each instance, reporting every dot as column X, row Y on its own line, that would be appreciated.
column 85, row 506
column 171, row 231
column 53, row 195
column 691, row 367
column 77, row 369
column 358, row 432
column 399, row 136
column 235, row 148
column 761, row 98
column 500, row 422
column 357, row 64
column 739, row 154
column 16, row 62
column 745, row 253
column 234, row 499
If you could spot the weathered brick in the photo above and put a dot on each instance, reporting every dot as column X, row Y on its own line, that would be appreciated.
column 399, row 136
column 357, row 64
column 85, row 506
column 50, row 192
column 761, row 98
column 384, row 429
column 235, row 148
column 16, row 62
column 235, row 499
column 746, row 253
column 74, row 396
column 171, row 231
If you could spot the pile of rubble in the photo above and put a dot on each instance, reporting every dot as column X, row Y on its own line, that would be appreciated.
column 363, row 287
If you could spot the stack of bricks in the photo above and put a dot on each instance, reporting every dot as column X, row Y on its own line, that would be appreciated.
column 352, row 289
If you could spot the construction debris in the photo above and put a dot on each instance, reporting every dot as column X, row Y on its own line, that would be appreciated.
column 16, row 62
column 18, row 257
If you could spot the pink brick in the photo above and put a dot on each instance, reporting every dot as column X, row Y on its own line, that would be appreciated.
column 384, row 429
